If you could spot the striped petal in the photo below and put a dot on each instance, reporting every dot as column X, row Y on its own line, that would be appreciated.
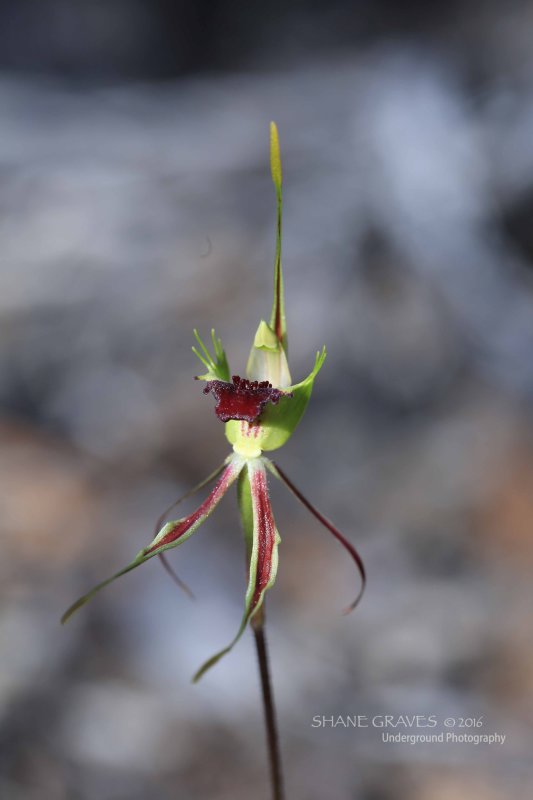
column 173, row 533
column 262, row 540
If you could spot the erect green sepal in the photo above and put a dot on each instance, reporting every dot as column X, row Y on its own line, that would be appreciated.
column 278, row 323
column 267, row 360
column 217, row 364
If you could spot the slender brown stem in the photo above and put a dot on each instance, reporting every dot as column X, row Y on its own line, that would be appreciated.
column 258, row 626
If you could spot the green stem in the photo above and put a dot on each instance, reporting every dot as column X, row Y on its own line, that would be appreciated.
column 276, row 779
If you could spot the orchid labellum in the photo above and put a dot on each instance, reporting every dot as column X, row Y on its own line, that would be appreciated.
column 260, row 412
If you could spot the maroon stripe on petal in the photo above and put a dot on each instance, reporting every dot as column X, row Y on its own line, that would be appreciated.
column 266, row 534
column 181, row 527
column 161, row 521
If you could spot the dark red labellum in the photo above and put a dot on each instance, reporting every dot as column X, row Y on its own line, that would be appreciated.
column 242, row 399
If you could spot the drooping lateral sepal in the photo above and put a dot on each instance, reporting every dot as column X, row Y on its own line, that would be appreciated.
column 278, row 473
column 262, row 540
column 173, row 533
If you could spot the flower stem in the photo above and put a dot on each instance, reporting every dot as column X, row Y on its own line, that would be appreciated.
column 258, row 626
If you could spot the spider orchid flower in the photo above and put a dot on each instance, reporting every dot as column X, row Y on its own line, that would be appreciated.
column 260, row 412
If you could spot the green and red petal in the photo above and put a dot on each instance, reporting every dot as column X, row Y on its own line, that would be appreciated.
column 173, row 533
column 263, row 539
column 266, row 539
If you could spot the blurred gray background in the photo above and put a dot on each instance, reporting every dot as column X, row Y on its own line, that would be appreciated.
column 136, row 204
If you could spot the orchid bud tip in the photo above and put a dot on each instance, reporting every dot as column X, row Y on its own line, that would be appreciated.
column 275, row 157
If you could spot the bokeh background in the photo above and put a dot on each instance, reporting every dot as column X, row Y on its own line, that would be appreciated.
column 136, row 204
